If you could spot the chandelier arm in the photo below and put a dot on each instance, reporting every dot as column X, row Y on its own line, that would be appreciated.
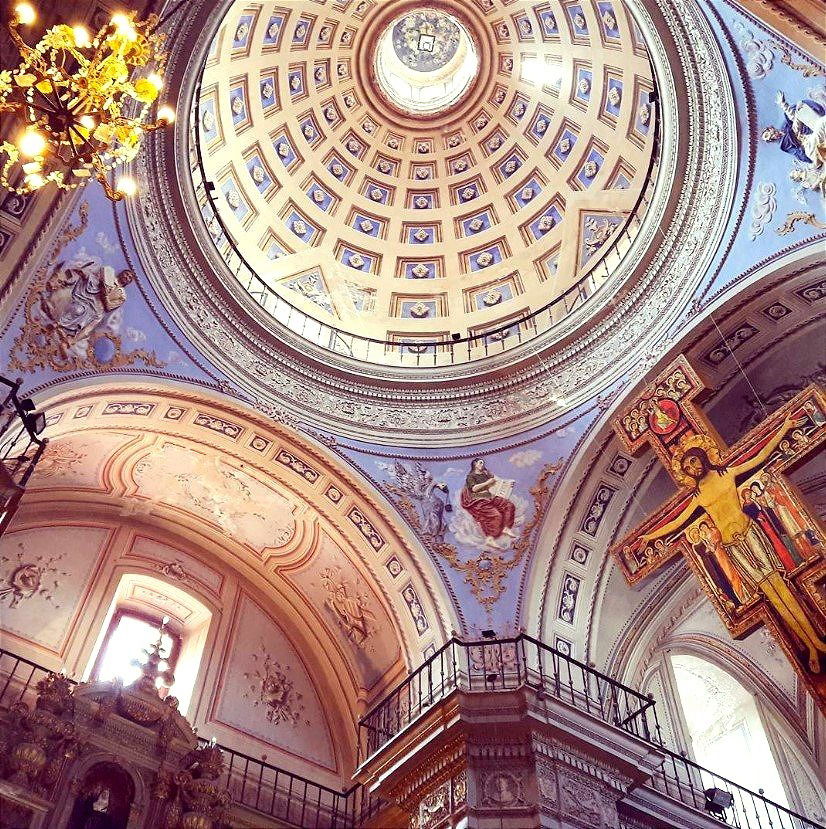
column 22, row 47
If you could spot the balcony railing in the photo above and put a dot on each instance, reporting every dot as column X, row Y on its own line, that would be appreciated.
column 20, row 446
column 490, row 665
column 502, row 665
column 412, row 350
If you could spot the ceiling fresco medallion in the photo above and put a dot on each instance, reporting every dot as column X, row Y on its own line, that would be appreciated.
column 484, row 531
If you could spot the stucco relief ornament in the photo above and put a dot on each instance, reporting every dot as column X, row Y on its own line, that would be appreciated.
column 549, row 23
column 492, row 297
column 319, row 74
column 564, row 144
column 273, row 30
column 609, row 21
column 420, row 310
column 546, row 223
column 454, row 141
column 356, row 260
column 376, row 194
column 420, row 202
column 420, row 270
column 384, row 166
column 25, row 576
column 300, row 31
column 349, row 606
column 460, row 165
column 468, row 193
column 590, row 169
column 584, row 86
column 241, row 32
column 73, row 316
column 495, row 143
column 319, row 196
column 309, row 131
column 57, row 459
column 354, row 146
column 341, row 70
column 233, row 199
column 614, row 96
column 330, row 114
column 324, row 34
column 337, row 169
column 421, row 235
column 208, row 120
column 271, row 688
column 519, row 109
column 484, row 259
column 258, row 174
column 267, row 90
column 366, row 225
column 644, row 114
column 422, row 172
column 295, row 83
column 527, row 193
column 237, row 105
column 476, row 224
column 579, row 20
column 283, row 149
column 541, row 126
column 299, row 227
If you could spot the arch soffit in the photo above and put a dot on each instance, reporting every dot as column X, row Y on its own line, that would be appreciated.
column 326, row 503
column 594, row 466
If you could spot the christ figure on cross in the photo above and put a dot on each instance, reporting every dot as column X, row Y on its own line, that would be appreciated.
column 757, row 548
column 747, row 544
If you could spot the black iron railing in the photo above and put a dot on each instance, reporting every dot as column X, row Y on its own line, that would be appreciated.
column 410, row 349
column 491, row 665
column 501, row 665
column 21, row 447
column 692, row 784
column 294, row 799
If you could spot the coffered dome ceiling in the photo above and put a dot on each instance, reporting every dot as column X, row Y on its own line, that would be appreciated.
column 378, row 173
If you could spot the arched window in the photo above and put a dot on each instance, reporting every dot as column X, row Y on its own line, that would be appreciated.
column 725, row 727
column 137, row 608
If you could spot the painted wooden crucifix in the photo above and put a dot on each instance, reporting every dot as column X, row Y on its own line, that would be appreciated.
column 745, row 530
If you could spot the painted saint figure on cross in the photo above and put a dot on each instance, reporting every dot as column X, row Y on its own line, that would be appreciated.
column 743, row 528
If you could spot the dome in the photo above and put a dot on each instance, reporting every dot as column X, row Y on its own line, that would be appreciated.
column 402, row 183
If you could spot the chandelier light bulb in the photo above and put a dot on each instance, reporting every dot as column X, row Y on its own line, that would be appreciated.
column 166, row 114
column 87, row 122
column 25, row 13
column 34, row 181
column 124, row 26
column 156, row 80
column 127, row 186
column 81, row 36
column 32, row 143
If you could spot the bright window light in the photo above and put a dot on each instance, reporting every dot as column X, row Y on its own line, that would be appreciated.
column 127, row 642
column 725, row 726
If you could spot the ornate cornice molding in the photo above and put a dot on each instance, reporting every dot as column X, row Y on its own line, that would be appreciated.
column 570, row 366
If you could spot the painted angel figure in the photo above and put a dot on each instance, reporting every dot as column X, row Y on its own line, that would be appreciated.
column 432, row 496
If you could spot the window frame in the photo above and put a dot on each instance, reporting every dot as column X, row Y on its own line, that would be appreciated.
column 143, row 616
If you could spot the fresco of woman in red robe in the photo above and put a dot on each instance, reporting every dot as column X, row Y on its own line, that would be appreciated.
column 493, row 513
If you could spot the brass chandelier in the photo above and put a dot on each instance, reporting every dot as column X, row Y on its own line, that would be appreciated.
column 84, row 101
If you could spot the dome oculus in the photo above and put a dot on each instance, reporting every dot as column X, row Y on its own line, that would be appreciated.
column 425, row 61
